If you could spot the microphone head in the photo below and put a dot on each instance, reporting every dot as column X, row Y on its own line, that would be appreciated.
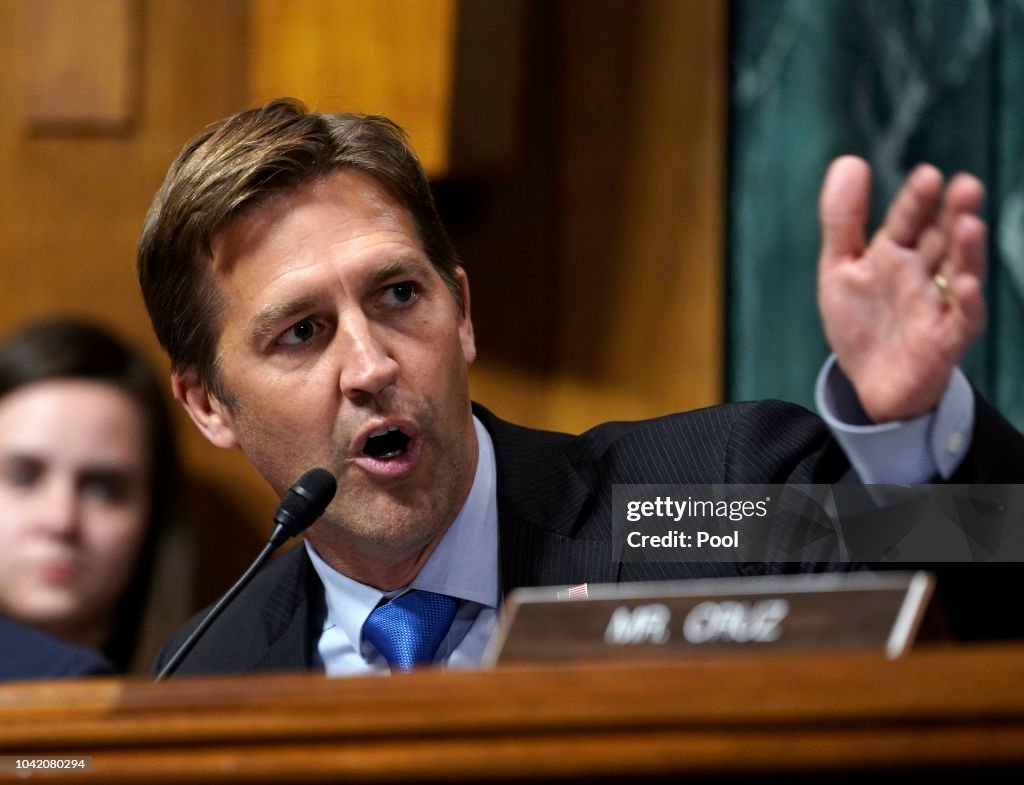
column 306, row 501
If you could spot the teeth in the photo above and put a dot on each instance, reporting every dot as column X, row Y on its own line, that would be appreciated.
column 389, row 439
column 383, row 431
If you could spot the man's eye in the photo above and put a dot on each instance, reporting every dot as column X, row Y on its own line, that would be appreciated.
column 300, row 332
column 403, row 292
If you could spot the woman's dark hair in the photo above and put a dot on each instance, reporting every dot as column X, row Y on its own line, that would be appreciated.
column 69, row 348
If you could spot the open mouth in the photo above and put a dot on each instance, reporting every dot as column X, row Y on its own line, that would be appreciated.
column 386, row 443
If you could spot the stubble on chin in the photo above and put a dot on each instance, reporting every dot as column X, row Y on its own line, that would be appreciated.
column 385, row 524
column 374, row 526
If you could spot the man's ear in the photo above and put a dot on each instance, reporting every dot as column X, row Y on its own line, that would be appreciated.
column 211, row 416
column 465, row 322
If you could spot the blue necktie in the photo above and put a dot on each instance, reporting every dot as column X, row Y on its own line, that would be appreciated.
column 408, row 630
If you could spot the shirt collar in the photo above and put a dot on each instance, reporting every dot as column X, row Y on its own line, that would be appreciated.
column 464, row 564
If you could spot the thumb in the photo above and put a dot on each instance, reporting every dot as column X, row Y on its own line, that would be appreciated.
column 843, row 209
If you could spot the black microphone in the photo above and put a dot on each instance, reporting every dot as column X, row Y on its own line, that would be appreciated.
column 304, row 502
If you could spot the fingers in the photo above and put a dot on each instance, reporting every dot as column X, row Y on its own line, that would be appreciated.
column 914, row 208
column 933, row 246
column 971, row 303
column 843, row 209
column 965, row 270
column 944, row 228
column 939, row 224
column 963, row 266
column 965, row 194
column 967, row 247
column 957, row 246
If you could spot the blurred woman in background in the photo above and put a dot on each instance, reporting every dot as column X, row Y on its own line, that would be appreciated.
column 88, row 475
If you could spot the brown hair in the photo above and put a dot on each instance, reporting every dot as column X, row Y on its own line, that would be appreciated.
column 238, row 164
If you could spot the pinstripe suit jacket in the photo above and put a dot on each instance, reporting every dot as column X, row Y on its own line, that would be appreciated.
column 554, row 510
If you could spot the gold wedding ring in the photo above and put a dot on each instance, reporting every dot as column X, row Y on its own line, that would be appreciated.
column 943, row 286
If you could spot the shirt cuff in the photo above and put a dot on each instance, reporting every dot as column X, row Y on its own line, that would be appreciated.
column 904, row 451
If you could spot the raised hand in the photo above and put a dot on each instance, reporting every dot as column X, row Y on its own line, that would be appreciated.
column 900, row 311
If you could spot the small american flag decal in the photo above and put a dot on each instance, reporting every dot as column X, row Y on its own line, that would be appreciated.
column 573, row 592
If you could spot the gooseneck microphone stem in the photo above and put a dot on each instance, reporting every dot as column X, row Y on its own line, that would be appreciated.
column 304, row 503
column 215, row 611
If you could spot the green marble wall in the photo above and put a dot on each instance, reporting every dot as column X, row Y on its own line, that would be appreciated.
column 897, row 82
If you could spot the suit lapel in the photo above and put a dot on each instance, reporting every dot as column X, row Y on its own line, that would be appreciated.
column 292, row 615
column 549, row 533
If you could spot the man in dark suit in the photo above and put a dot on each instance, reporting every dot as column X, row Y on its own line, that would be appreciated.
column 26, row 653
column 315, row 313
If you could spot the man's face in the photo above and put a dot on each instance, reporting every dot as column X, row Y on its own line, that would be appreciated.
column 343, row 348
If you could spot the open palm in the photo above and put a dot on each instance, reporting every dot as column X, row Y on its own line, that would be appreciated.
column 901, row 310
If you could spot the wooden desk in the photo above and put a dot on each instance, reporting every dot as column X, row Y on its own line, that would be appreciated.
column 849, row 715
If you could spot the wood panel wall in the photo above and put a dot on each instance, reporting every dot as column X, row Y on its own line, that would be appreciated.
column 597, row 260
column 578, row 148
column 390, row 57
column 73, row 199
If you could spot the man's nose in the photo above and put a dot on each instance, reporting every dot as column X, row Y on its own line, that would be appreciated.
column 367, row 367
